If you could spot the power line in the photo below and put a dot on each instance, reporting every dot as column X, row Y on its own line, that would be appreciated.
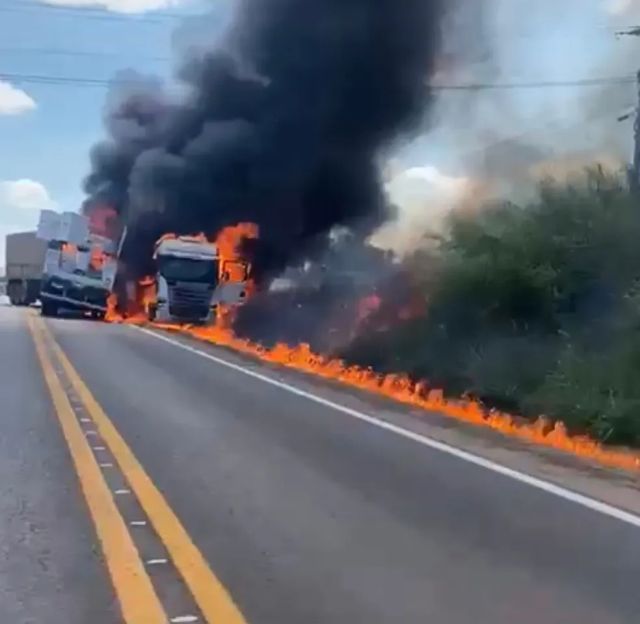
column 545, row 84
column 61, row 80
column 21, row 78
column 77, row 53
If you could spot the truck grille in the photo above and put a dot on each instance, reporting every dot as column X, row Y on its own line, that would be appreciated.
column 190, row 302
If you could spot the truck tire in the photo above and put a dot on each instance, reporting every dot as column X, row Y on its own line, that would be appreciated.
column 49, row 308
column 17, row 292
column 98, row 315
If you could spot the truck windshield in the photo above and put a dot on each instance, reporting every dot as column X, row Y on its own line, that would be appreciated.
column 186, row 270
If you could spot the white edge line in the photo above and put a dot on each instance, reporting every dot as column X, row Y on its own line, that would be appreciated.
column 540, row 484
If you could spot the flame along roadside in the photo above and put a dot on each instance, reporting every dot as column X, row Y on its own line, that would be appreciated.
column 404, row 390
column 398, row 387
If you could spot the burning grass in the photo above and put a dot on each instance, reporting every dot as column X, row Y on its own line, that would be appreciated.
column 416, row 394
column 533, row 309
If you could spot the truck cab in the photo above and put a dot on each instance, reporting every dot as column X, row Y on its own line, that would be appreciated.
column 191, row 280
column 79, row 267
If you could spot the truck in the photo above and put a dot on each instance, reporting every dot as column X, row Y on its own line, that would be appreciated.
column 24, row 259
column 79, row 267
column 192, row 280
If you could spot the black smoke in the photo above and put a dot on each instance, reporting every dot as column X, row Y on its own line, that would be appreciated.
column 282, row 124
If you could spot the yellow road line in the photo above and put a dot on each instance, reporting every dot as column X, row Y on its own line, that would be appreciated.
column 211, row 596
column 136, row 595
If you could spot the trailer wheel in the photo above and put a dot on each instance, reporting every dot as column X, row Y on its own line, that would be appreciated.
column 98, row 315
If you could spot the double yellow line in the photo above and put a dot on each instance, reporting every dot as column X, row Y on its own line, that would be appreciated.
column 135, row 592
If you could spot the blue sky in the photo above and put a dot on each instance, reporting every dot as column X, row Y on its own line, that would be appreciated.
column 47, row 130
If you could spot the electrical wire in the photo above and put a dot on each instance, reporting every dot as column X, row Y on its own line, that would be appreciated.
column 75, row 53
column 480, row 86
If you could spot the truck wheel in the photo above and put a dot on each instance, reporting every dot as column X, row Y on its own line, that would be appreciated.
column 49, row 309
column 98, row 315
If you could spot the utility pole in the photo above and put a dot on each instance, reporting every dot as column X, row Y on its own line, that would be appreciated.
column 634, row 168
column 634, row 181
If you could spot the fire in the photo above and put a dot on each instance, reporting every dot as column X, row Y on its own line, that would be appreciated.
column 230, row 238
column 368, row 306
column 97, row 259
column 419, row 394
column 229, row 242
column 113, row 316
column 146, row 292
column 397, row 387
column 104, row 221
column 233, row 269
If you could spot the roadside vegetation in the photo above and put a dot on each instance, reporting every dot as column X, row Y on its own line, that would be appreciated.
column 532, row 308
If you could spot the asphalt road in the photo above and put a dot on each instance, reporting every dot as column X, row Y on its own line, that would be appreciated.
column 303, row 513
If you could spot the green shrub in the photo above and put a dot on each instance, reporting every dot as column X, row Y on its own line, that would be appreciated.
column 533, row 308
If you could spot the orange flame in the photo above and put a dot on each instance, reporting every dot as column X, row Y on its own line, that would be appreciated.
column 232, row 267
column 113, row 316
column 104, row 221
column 402, row 389
column 146, row 292
column 397, row 387
column 229, row 239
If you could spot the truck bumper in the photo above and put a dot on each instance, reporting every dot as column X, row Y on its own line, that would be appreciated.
column 69, row 295
column 73, row 303
column 165, row 314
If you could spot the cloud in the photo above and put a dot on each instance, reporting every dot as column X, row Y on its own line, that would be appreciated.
column 118, row 6
column 19, row 196
column 20, row 201
column 14, row 101
column 620, row 7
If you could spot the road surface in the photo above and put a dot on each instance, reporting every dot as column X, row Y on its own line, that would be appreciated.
column 143, row 481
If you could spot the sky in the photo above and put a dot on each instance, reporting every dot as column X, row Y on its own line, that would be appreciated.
column 46, row 130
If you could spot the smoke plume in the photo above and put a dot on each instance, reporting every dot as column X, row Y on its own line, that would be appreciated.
column 283, row 123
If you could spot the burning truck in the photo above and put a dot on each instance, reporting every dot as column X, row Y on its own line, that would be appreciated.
column 192, row 280
column 79, row 266
column 193, row 276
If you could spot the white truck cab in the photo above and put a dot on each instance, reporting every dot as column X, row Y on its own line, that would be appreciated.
column 191, row 280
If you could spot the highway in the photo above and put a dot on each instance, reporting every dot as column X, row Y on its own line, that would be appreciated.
column 148, row 478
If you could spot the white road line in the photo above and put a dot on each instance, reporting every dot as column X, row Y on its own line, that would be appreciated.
column 156, row 562
column 540, row 484
column 99, row 448
column 121, row 492
column 184, row 619
column 106, row 465
column 138, row 523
